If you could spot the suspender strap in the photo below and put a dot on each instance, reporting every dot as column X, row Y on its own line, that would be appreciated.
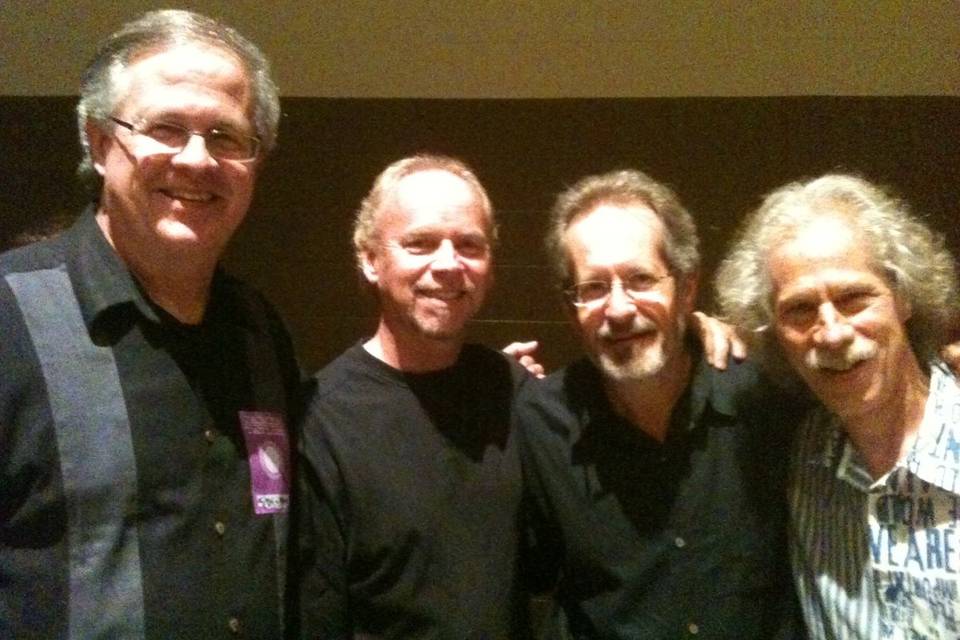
column 96, row 459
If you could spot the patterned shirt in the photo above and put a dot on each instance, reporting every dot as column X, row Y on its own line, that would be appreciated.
column 880, row 559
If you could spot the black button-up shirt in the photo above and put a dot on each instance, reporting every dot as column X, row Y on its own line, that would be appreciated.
column 644, row 539
column 197, row 562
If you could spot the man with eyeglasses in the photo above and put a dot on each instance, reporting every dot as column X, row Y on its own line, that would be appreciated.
column 655, row 508
column 145, row 394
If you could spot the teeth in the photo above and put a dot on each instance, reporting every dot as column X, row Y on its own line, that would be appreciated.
column 195, row 196
column 443, row 295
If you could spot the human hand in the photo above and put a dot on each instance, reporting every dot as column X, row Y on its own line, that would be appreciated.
column 524, row 353
column 719, row 339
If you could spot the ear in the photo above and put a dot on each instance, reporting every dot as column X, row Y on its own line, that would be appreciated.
column 99, row 144
column 688, row 294
column 368, row 264
column 903, row 307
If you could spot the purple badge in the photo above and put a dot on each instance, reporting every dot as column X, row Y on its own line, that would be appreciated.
column 268, row 452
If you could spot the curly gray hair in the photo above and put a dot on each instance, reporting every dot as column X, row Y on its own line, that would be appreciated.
column 910, row 256
column 365, row 221
column 624, row 187
column 102, row 81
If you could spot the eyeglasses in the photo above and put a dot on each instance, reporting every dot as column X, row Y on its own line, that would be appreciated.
column 593, row 293
column 222, row 144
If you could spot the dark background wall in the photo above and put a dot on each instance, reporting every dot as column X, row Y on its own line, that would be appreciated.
column 720, row 154
column 534, row 95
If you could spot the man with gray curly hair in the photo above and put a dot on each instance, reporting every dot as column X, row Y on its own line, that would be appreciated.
column 840, row 287
column 144, row 454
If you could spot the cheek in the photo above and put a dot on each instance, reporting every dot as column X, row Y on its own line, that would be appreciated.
column 793, row 343
column 138, row 173
column 481, row 271
column 241, row 181
column 124, row 179
column 405, row 274
column 480, row 265
column 658, row 309
column 882, row 323
column 588, row 321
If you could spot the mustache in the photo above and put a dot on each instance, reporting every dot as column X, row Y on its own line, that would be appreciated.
column 637, row 326
column 833, row 360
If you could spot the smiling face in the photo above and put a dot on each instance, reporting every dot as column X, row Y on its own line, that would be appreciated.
column 630, row 337
column 840, row 324
column 157, row 203
column 430, row 259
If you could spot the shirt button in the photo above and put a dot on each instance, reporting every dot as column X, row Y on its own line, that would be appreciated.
column 680, row 542
column 219, row 527
column 693, row 628
column 210, row 435
column 234, row 625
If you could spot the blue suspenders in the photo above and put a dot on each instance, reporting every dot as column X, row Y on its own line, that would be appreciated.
column 96, row 459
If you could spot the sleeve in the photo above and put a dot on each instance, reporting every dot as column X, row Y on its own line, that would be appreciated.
column 542, row 549
column 320, row 576
column 772, row 415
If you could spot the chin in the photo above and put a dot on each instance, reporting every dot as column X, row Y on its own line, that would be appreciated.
column 442, row 326
column 177, row 231
column 635, row 369
column 440, row 331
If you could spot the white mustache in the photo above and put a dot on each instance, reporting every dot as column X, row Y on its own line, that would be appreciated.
column 856, row 352
column 638, row 326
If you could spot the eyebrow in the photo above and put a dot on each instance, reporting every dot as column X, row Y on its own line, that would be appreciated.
column 179, row 118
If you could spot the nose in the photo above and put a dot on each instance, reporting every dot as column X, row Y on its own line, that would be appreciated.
column 445, row 258
column 194, row 152
column 618, row 304
column 832, row 330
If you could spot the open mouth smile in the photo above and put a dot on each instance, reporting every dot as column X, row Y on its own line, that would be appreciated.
column 189, row 196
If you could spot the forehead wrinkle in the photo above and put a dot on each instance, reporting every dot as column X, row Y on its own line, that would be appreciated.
column 207, row 73
column 616, row 240
column 422, row 210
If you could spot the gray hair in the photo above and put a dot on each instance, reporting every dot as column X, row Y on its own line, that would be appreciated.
column 910, row 256
column 365, row 222
column 624, row 187
column 101, row 84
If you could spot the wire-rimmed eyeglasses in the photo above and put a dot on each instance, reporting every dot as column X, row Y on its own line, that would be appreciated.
column 222, row 144
column 592, row 293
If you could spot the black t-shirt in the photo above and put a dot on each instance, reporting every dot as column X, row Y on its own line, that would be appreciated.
column 411, row 489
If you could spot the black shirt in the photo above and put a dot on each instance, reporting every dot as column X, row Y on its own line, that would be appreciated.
column 411, row 496
column 658, row 540
column 190, row 558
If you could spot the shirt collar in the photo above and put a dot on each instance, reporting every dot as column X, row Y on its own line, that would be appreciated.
column 105, row 286
column 710, row 387
column 101, row 279
column 934, row 456
column 707, row 388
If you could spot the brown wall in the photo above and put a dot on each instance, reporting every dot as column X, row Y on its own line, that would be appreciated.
column 721, row 154
column 533, row 48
